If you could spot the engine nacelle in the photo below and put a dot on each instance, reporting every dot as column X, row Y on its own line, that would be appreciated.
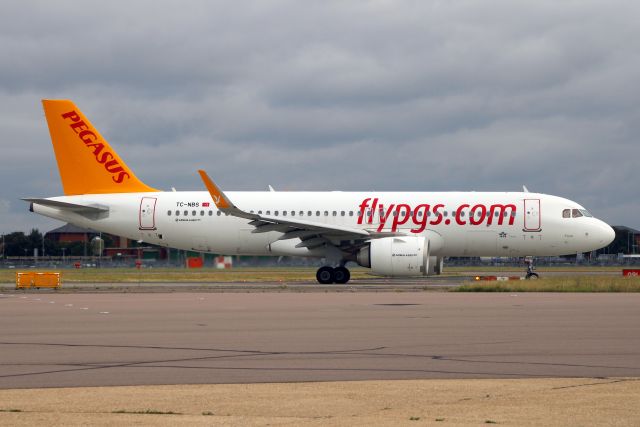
column 396, row 256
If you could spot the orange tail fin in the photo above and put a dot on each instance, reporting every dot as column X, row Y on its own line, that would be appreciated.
column 86, row 161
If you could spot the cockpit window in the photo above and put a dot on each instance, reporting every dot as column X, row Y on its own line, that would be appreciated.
column 586, row 213
column 575, row 213
column 566, row 213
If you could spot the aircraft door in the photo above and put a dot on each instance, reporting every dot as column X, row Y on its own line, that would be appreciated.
column 147, row 213
column 532, row 218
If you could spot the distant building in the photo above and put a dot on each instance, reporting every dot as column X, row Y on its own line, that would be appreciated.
column 69, row 233
column 118, row 246
column 627, row 241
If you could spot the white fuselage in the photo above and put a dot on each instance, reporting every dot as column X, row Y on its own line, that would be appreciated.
column 458, row 223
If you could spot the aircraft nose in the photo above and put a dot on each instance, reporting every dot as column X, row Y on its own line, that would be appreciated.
column 605, row 234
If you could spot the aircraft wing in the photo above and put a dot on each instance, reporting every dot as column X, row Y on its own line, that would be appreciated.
column 312, row 234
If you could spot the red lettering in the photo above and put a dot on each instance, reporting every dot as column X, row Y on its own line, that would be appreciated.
column 502, row 211
column 459, row 213
column 113, row 166
column 436, row 211
column 473, row 218
column 402, row 213
column 97, row 148
column 84, row 136
column 104, row 157
column 384, row 216
column 90, row 139
column 420, row 218
column 118, row 179
column 78, row 126
column 373, row 210
column 71, row 115
column 401, row 217
column 363, row 207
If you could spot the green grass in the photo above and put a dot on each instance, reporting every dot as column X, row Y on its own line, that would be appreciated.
column 557, row 284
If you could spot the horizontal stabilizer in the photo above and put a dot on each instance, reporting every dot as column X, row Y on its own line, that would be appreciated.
column 73, row 207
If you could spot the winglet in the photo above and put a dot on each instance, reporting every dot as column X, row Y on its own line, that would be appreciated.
column 219, row 198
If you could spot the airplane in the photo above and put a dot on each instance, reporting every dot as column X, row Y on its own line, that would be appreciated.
column 397, row 234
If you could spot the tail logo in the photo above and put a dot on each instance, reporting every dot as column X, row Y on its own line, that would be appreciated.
column 91, row 141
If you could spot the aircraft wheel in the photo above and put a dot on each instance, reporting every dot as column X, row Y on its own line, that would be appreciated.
column 342, row 275
column 325, row 275
column 532, row 276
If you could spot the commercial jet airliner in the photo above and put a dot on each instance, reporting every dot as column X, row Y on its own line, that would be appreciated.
column 391, row 233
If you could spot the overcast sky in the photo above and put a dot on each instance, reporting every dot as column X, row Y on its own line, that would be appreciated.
column 321, row 95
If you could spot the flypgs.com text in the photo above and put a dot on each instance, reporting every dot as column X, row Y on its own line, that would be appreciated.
column 425, row 214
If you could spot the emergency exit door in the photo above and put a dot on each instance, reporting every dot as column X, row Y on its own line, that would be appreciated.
column 147, row 213
column 532, row 220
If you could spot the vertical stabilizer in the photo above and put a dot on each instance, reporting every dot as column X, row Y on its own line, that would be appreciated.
column 86, row 161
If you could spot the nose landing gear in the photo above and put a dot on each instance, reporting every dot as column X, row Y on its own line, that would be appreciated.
column 327, row 275
column 531, row 274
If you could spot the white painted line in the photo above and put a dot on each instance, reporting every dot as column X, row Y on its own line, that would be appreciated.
column 104, row 312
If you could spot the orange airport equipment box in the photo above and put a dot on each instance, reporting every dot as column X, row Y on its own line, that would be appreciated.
column 26, row 280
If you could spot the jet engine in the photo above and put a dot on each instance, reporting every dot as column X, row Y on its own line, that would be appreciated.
column 396, row 256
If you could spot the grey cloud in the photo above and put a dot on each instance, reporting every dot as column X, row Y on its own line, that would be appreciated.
column 357, row 95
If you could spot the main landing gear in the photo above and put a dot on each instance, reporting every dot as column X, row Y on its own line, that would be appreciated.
column 327, row 275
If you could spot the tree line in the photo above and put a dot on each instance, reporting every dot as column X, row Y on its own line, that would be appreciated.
column 20, row 244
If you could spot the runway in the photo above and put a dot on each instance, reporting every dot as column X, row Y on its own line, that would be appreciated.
column 58, row 340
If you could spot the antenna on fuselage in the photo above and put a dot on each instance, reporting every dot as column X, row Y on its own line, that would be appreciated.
column 271, row 189
column 525, row 189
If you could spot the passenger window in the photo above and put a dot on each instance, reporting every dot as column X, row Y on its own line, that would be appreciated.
column 341, row 213
column 259, row 212
column 284, row 213
column 177, row 213
column 293, row 213
column 268, row 213
column 309, row 213
column 326, row 213
column 210, row 213
column 335, row 213
column 168, row 213
column 186, row 213
column 193, row 213
column 575, row 213
column 566, row 213
column 445, row 214
column 275, row 213
column 219, row 213
column 201, row 213
column 350, row 213
column 317, row 213
column 462, row 214
column 496, row 213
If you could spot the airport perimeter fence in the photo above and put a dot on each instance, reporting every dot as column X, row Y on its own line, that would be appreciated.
column 270, row 262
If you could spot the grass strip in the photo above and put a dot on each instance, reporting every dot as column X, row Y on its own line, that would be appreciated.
column 557, row 284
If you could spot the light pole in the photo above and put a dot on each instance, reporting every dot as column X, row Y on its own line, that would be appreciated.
column 63, row 249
